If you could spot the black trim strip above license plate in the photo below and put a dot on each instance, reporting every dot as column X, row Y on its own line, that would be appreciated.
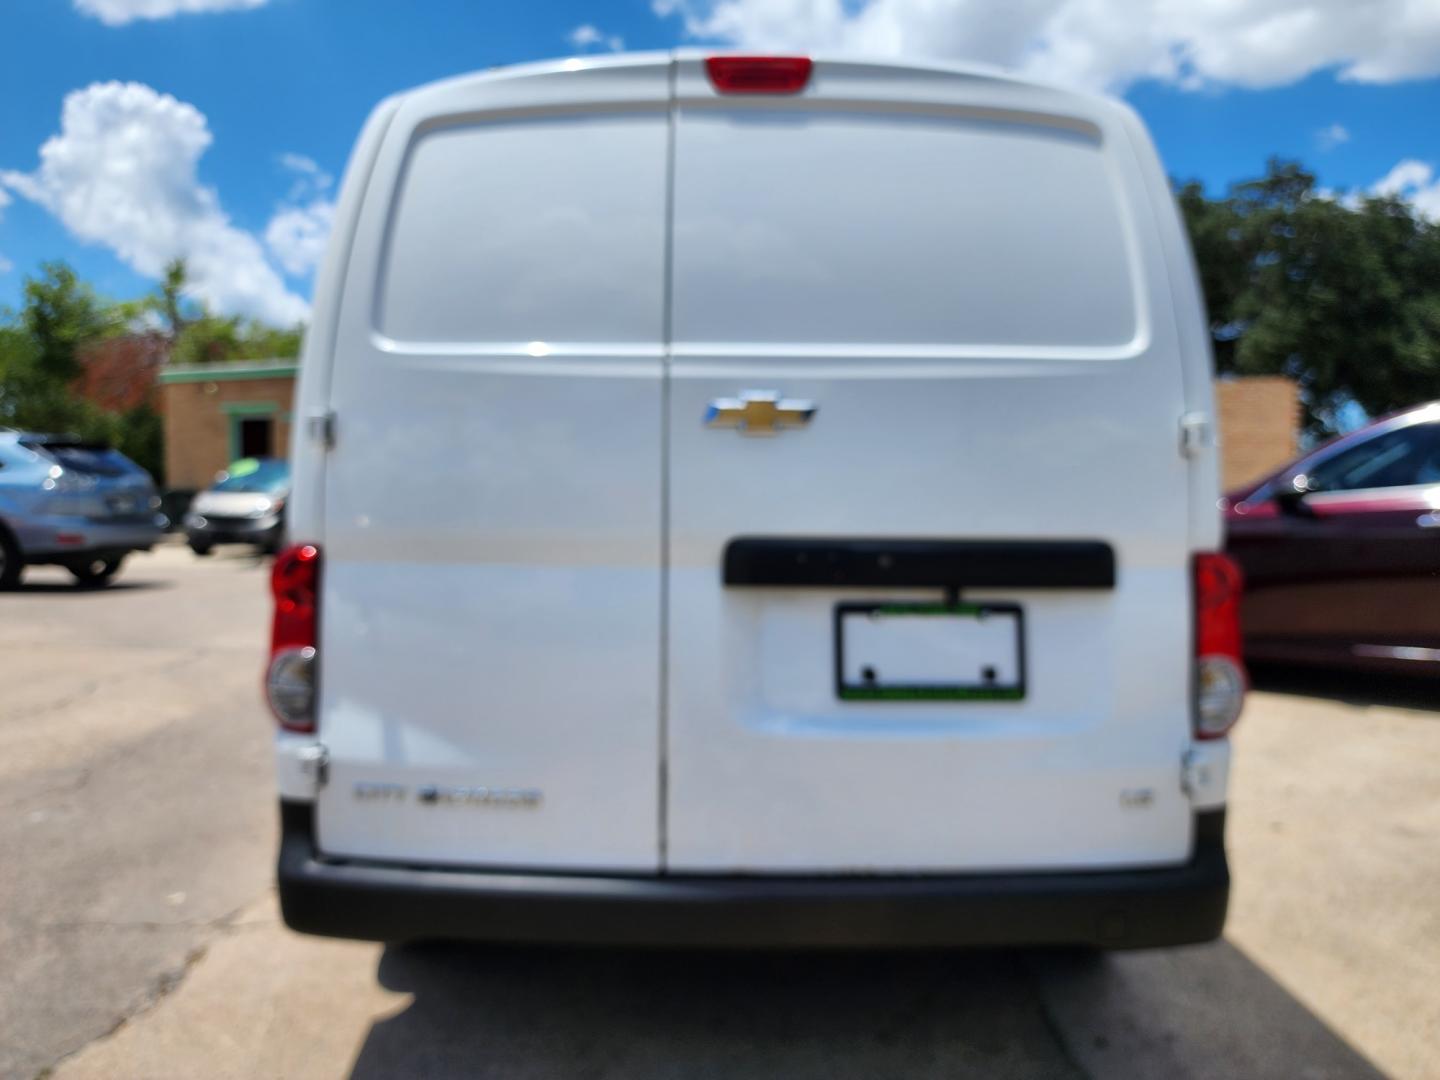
column 788, row 561
column 929, row 692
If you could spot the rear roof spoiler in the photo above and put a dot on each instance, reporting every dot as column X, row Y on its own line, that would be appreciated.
column 64, row 442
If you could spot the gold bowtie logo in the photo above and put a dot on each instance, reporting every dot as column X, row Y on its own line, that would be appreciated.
column 758, row 412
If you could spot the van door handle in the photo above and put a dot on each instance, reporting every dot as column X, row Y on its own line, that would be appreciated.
column 759, row 412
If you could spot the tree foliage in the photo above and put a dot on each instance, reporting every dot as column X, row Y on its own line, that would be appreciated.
column 216, row 338
column 1341, row 295
column 40, row 351
column 198, row 336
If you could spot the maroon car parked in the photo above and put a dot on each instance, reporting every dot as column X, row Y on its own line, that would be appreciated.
column 1341, row 551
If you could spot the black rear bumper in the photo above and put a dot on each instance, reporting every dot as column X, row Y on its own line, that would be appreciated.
column 1110, row 909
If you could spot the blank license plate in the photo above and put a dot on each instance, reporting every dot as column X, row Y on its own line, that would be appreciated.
column 929, row 652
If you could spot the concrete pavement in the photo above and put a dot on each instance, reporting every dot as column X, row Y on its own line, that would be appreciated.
column 139, row 936
column 135, row 808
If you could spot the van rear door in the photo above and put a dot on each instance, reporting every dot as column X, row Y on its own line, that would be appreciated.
column 490, row 619
column 962, row 278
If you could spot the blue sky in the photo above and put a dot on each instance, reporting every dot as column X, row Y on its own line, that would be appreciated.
column 271, row 82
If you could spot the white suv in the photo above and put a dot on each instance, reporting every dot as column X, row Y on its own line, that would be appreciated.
column 755, row 500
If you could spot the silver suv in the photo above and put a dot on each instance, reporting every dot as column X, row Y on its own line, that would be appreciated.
column 80, row 505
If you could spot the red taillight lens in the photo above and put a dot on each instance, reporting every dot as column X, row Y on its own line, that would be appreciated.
column 759, row 74
column 1219, row 669
column 293, row 583
column 290, row 677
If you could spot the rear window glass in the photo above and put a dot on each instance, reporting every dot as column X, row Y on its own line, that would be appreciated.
column 807, row 227
column 255, row 475
column 515, row 232
column 88, row 460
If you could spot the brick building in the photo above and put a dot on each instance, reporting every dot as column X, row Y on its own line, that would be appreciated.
column 1259, row 425
column 216, row 413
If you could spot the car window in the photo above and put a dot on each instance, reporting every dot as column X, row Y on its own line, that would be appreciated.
column 255, row 475
column 1409, row 455
column 85, row 459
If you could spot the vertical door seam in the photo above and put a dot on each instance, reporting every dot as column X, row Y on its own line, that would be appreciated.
column 667, row 343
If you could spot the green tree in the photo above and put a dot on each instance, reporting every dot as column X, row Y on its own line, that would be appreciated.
column 1344, row 298
column 198, row 336
column 170, row 301
column 210, row 338
column 61, row 314
column 40, row 352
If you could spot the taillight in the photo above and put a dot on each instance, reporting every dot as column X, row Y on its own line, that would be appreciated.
column 1219, row 670
column 290, row 677
column 759, row 74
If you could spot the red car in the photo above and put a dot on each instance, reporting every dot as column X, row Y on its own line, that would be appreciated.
column 1341, row 551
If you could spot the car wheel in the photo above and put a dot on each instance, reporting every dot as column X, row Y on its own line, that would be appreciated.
column 10, row 565
column 93, row 573
column 199, row 548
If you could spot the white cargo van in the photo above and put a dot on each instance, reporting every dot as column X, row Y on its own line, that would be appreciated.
column 755, row 501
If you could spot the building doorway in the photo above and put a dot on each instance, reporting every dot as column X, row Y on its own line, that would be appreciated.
column 256, row 437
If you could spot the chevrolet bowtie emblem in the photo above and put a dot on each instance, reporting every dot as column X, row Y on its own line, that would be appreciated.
column 758, row 412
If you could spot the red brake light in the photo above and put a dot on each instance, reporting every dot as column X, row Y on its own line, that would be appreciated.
column 293, row 583
column 759, row 74
column 290, row 676
column 1217, row 605
column 1219, row 670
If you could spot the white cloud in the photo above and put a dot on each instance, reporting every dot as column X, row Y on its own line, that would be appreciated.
column 305, row 166
column 1414, row 181
column 122, row 173
column 1100, row 43
column 5, row 264
column 297, row 232
column 588, row 36
column 120, row 12
column 306, row 171
column 296, row 235
column 1330, row 137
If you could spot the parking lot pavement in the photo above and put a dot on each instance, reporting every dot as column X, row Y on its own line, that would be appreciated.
column 139, row 936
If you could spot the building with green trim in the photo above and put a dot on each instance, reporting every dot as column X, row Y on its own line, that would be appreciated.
column 216, row 413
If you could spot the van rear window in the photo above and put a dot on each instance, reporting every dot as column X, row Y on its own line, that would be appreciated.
column 542, row 230
column 849, row 228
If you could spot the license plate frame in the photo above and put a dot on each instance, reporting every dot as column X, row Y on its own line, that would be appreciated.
column 874, row 690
